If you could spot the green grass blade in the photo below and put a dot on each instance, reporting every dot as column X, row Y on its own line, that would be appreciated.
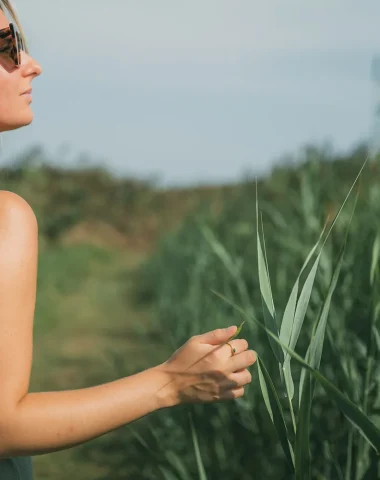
column 265, row 287
column 303, row 303
column 264, row 282
column 332, row 459
column 271, row 324
column 340, row 372
column 201, row 468
column 288, row 317
column 228, row 262
column 299, row 316
column 302, row 443
column 288, row 379
column 358, row 419
column 141, row 440
column 375, row 257
column 288, row 320
column 275, row 411
column 237, row 331
column 167, row 474
column 303, row 376
column 349, row 456
column 176, row 462
column 264, row 391
column 266, row 293
column 318, row 339
column 372, row 471
column 345, row 200
column 375, row 332
column 266, row 258
column 219, row 249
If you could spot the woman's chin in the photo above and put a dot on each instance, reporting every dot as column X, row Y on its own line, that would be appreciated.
column 29, row 121
column 21, row 121
column 27, row 118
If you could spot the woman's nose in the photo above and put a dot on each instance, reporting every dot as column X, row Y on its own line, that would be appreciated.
column 29, row 66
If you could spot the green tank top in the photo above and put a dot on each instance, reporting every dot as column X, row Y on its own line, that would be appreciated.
column 17, row 468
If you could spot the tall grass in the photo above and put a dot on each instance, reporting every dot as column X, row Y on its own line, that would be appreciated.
column 292, row 420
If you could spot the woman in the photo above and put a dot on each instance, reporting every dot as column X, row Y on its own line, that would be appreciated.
column 207, row 368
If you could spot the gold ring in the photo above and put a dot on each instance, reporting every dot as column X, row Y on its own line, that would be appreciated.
column 233, row 350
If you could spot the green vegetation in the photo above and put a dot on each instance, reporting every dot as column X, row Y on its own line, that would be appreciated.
column 338, row 299
column 193, row 243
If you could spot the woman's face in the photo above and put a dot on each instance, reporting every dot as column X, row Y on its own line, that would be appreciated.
column 15, row 111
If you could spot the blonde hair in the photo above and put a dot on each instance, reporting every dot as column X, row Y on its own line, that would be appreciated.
column 8, row 6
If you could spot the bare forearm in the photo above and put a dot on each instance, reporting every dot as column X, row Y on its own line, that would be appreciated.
column 51, row 421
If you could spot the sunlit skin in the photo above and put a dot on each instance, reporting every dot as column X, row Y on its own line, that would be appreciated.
column 15, row 109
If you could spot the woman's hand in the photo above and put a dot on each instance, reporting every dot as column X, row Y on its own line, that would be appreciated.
column 204, row 370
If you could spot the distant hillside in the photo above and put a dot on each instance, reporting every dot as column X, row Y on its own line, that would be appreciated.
column 90, row 205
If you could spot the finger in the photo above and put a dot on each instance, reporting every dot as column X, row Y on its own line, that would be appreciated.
column 231, row 394
column 215, row 337
column 240, row 378
column 236, row 379
column 239, row 345
column 242, row 360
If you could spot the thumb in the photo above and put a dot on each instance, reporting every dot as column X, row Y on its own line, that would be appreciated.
column 220, row 335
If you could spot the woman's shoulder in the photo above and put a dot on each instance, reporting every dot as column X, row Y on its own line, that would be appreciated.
column 13, row 204
column 7, row 196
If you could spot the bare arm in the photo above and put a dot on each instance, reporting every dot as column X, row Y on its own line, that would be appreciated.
column 36, row 423
column 50, row 421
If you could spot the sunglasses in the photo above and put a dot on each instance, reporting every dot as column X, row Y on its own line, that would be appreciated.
column 11, row 44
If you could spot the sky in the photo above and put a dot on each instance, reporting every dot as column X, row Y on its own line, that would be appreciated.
column 197, row 92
